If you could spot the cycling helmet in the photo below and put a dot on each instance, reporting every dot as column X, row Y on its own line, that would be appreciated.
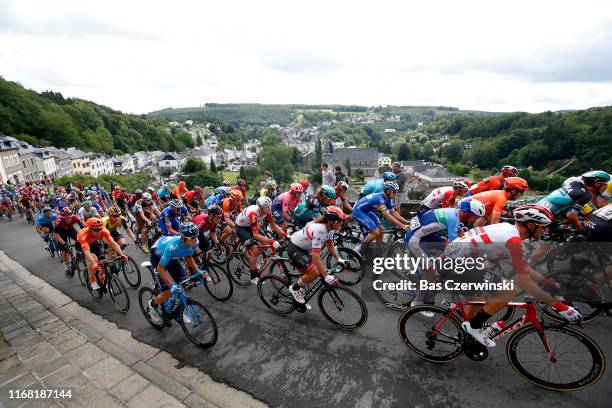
column 328, row 192
column 86, row 203
column 188, row 230
column 46, row 209
column 147, row 196
column 66, row 211
column 236, row 195
column 296, row 188
column 95, row 224
column 226, row 183
column 52, row 195
column 214, row 210
column 270, row 184
column 94, row 189
column 151, row 189
column 305, row 184
column 391, row 186
column 182, row 185
column 114, row 211
column 462, row 183
column 533, row 212
column 516, row 183
column 334, row 214
column 225, row 191
column 595, row 176
column 509, row 171
column 166, row 187
column 264, row 201
column 388, row 176
column 473, row 207
column 342, row 186
column 117, row 188
column 197, row 190
column 175, row 204
column 241, row 182
column 138, row 192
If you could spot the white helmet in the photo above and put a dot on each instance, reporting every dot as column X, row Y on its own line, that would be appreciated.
column 533, row 212
column 472, row 206
column 264, row 201
column 225, row 191
column 462, row 183
column 147, row 196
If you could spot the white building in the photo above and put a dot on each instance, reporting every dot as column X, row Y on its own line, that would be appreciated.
column 10, row 164
column 80, row 160
column 169, row 161
column 45, row 163
column 390, row 130
column 100, row 165
column 384, row 161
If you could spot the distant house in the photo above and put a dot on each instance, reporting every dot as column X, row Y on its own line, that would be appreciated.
column 80, row 160
column 467, row 146
column 429, row 174
column 384, row 161
column 63, row 162
column 10, row 164
column 45, row 163
column 100, row 164
column 169, row 162
column 364, row 159
column 123, row 164
column 390, row 131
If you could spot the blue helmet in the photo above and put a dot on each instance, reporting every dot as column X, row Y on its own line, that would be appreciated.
column 595, row 176
column 388, row 176
column 473, row 207
column 189, row 230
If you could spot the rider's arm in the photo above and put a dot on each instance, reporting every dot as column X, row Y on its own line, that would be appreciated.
column 332, row 249
column 498, row 207
column 389, row 217
column 316, row 261
column 398, row 217
column 110, row 241
column 128, row 230
column 191, row 264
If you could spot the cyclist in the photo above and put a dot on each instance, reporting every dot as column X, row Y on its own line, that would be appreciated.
column 27, row 203
column 113, row 221
column 63, row 229
column 145, row 212
column 304, row 250
column 96, row 200
column 493, row 182
column 88, row 211
column 247, row 229
column 164, row 193
column 599, row 226
column 192, row 199
column 604, row 196
column 6, row 204
column 88, row 241
column 444, row 196
column 231, row 206
column 241, row 185
column 165, row 258
column 169, row 218
column 156, row 199
column 284, row 205
column 121, row 199
column 376, row 186
column 311, row 206
column 270, row 190
column 207, row 225
column 217, row 196
column 495, row 200
column 180, row 190
column 364, row 212
column 504, row 241
column 45, row 224
column 341, row 201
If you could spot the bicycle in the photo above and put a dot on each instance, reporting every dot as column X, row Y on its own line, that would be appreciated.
column 52, row 245
column 195, row 320
column 440, row 338
column 219, row 285
column 333, row 300
column 237, row 264
column 130, row 269
column 108, row 280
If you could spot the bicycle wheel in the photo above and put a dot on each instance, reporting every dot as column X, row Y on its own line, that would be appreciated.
column 343, row 307
column 238, row 269
column 274, row 293
column 131, row 272
column 437, row 337
column 586, row 295
column 81, row 269
column 118, row 294
column 96, row 294
column 219, row 253
column 145, row 294
column 351, row 275
column 221, row 288
column 198, row 324
column 577, row 360
column 347, row 241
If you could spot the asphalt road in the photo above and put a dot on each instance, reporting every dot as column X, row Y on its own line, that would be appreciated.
column 302, row 361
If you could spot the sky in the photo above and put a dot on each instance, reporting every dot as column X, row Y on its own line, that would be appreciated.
column 141, row 56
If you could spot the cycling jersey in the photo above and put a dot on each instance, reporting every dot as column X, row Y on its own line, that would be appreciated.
column 169, row 248
column 372, row 187
column 213, row 200
column 140, row 205
column 189, row 197
column 163, row 193
column 48, row 222
column 109, row 225
column 85, row 237
column 313, row 236
column 59, row 204
column 83, row 213
column 426, row 227
column 486, row 184
column 168, row 216
column 250, row 217
column 599, row 226
column 569, row 198
column 496, row 241
column 66, row 223
column 494, row 202
column 441, row 196
column 285, row 201
column 203, row 222
column 228, row 206
column 364, row 209
column 178, row 193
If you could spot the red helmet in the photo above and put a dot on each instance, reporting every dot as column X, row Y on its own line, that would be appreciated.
column 297, row 188
column 66, row 211
column 333, row 213
column 95, row 224
column 516, row 183
column 305, row 184
column 508, row 171
column 182, row 185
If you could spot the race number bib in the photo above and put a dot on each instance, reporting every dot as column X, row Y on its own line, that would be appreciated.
column 414, row 223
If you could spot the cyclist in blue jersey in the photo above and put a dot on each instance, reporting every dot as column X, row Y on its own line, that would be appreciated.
column 164, row 193
column 44, row 224
column 364, row 212
column 217, row 196
column 169, row 219
column 60, row 202
column 165, row 259
column 376, row 186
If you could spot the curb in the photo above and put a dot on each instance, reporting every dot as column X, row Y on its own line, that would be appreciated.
column 187, row 384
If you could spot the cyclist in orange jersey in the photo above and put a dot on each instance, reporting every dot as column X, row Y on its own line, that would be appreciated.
column 495, row 200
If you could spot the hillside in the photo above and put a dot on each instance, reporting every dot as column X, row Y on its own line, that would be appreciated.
column 48, row 118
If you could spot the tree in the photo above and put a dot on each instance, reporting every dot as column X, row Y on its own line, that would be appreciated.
column 453, row 152
column 212, row 165
column 403, row 152
column 192, row 165
column 277, row 159
column 427, row 151
column 330, row 146
column 296, row 156
column 318, row 155
column 203, row 178
column 347, row 164
column 199, row 140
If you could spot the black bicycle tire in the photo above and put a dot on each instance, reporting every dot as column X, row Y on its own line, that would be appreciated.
column 242, row 283
column 110, row 285
column 353, row 254
column 591, row 378
column 143, row 290
column 415, row 311
column 267, row 280
column 198, row 343
column 137, row 272
column 586, row 317
column 360, row 301
column 220, row 272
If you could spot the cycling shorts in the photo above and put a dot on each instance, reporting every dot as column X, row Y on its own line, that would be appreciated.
column 116, row 235
column 245, row 235
column 599, row 230
column 204, row 241
column 174, row 268
column 64, row 233
column 96, row 249
column 366, row 220
column 277, row 214
column 422, row 210
column 298, row 257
